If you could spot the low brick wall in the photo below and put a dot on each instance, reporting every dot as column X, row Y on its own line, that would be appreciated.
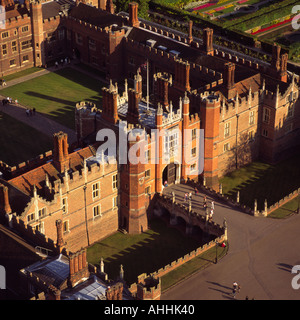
column 179, row 262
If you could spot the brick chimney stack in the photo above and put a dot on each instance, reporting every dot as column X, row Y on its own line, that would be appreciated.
column 133, row 106
column 78, row 268
column 190, row 37
column 115, row 292
column 182, row 75
column 60, row 152
column 283, row 67
column 133, row 14
column 208, row 41
column 59, row 231
column 110, row 104
column 4, row 200
column 229, row 75
column 110, row 7
column 276, row 57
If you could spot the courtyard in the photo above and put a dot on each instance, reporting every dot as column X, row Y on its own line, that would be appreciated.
column 150, row 251
column 55, row 94
column 262, row 181
column 20, row 142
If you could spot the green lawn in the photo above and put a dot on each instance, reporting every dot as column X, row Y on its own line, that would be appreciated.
column 22, row 73
column 263, row 181
column 19, row 142
column 286, row 210
column 55, row 94
column 142, row 253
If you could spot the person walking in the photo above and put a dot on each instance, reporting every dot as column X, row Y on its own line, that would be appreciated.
column 204, row 202
column 185, row 197
column 235, row 288
column 190, row 196
column 212, row 205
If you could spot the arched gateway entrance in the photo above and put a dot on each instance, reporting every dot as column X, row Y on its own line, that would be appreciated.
column 171, row 174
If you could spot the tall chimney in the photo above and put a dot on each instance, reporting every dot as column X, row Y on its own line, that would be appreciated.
column 133, row 14
column 208, row 41
column 4, row 200
column 229, row 74
column 78, row 268
column 190, row 37
column 60, row 153
column 59, row 230
column 133, row 106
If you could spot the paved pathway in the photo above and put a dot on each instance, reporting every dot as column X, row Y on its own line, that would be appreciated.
column 39, row 121
column 262, row 252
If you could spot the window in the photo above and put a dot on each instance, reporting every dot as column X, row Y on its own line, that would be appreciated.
column 194, row 132
column 94, row 60
column 227, row 130
column 30, row 217
column 92, row 44
column 171, row 142
column 290, row 112
column 147, row 174
column 226, row 147
column 25, row 29
column 251, row 135
column 66, row 226
column 193, row 152
column 251, row 117
column 78, row 38
column 25, row 58
column 39, row 227
column 25, row 44
column 131, row 61
column 61, row 34
column 289, row 98
column 148, row 190
column 42, row 212
column 266, row 115
column 96, row 190
column 97, row 211
column 14, row 46
column 115, row 181
column 147, row 156
column 4, row 49
column 193, row 167
column 115, row 202
column 265, row 132
column 64, row 205
column 288, row 128
column 12, row 62
column 4, row 35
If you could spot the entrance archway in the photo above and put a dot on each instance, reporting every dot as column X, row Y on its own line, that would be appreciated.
column 170, row 174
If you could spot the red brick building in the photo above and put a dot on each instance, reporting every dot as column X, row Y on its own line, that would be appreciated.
column 70, row 198
column 247, row 111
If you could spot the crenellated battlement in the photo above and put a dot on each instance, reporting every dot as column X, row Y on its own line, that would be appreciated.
column 106, row 30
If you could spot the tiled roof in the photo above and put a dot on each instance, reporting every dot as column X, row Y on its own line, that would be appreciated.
column 26, row 181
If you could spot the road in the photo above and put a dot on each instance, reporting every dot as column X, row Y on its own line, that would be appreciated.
column 262, row 252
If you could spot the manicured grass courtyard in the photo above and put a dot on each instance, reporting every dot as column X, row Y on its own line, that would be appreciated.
column 20, row 142
column 142, row 253
column 263, row 181
column 56, row 94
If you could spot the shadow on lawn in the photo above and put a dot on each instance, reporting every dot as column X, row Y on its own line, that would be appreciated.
column 272, row 183
column 149, row 255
